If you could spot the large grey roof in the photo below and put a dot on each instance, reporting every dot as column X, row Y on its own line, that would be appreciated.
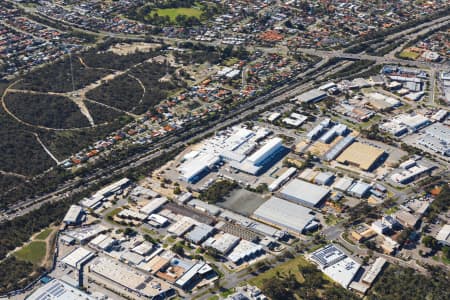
column 284, row 214
column 304, row 192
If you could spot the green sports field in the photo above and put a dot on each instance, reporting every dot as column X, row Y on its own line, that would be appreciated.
column 172, row 13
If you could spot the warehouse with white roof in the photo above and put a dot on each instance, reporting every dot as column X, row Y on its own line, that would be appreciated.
column 285, row 215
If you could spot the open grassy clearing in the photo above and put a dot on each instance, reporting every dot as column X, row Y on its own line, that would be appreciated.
column 172, row 13
column 44, row 234
column 34, row 252
column 409, row 54
column 290, row 266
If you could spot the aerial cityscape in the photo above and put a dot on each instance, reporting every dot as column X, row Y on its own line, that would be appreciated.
column 224, row 149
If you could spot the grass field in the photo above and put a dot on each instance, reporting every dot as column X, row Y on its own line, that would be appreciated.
column 34, row 252
column 409, row 54
column 44, row 234
column 290, row 266
column 172, row 13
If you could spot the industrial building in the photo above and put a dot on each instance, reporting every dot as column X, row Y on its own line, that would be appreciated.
column 223, row 242
column 233, row 145
column 282, row 179
column 411, row 171
column 304, row 193
column 338, row 148
column 84, row 234
column 265, row 151
column 183, row 225
column 361, row 155
column 119, row 277
column 409, row 121
column 245, row 251
column 114, row 187
column 436, row 138
column 335, row 264
column 59, row 290
column 285, row 215
column 74, row 216
column 153, row 205
column 443, row 236
column 200, row 233
column 295, row 119
column 78, row 258
column 315, row 133
column 311, row 96
column 324, row 178
column 103, row 242
column 359, row 189
column 157, row 220
column 198, row 271
column 203, row 206
column 343, row 184
column 371, row 275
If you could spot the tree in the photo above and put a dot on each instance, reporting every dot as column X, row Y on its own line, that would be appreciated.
column 429, row 241
column 275, row 289
column 129, row 232
column 178, row 249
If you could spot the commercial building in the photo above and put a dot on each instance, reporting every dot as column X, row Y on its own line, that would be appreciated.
column 361, row 155
column 335, row 264
column 58, row 290
column 443, row 236
column 284, row 215
column 407, row 219
column 74, row 216
column 304, row 193
column 362, row 232
column 311, row 96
